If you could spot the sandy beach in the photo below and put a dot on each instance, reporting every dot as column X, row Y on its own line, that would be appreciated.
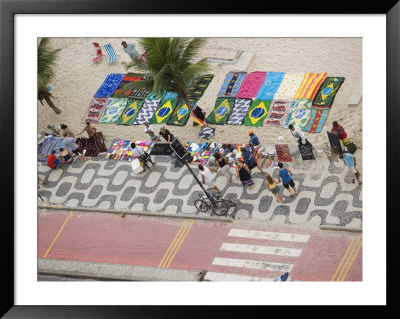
column 77, row 79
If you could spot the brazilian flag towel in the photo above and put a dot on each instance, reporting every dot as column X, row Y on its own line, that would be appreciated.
column 222, row 110
column 257, row 113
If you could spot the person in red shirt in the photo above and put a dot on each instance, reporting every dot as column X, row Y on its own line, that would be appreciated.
column 339, row 130
column 52, row 160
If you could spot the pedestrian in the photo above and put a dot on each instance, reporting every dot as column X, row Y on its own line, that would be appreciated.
column 143, row 157
column 74, row 148
column 207, row 177
column 223, row 164
column 130, row 49
column 244, row 174
column 148, row 129
column 249, row 160
column 272, row 186
column 339, row 130
column 298, row 135
column 350, row 161
column 90, row 130
column 64, row 129
column 284, row 174
column 167, row 135
column 253, row 142
column 52, row 160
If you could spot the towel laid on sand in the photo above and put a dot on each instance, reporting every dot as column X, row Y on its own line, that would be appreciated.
column 130, row 112
column 327, row 92
column 181, row 114
column 278, row 112
column 164, row 112
column 95, row 110
column 114, row 109
column 251, row 85
column 299, row 113
column 232, row 83
column 199, row 86
column 289, row 86
column 271, row 84
column 257, row 113
column 318, row 116
column 109, row 85
column 239, row 112
column 223, row 107
column 147, row 111
column 310, row 85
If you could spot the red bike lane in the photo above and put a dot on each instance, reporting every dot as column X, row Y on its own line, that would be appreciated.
column 226, row 250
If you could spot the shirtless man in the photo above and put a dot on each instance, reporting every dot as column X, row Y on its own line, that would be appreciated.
column 90, row 130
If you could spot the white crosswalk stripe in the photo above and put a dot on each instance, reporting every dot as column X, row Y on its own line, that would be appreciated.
column 268, row 235
column 219, row 276
column 253, row 264
column 279, row 251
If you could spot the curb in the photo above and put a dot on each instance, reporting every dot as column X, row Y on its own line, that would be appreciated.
column 150, row 214
column 340, row 228
column 114, row 272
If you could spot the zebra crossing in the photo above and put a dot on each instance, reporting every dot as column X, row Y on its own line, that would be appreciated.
column 250, row 255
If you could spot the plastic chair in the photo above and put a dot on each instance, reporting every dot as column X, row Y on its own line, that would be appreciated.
column 111, row 53
column 99, row 53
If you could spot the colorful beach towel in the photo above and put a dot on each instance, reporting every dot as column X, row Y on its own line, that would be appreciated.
column 270, row 85
column 257, row 113
column 299, row 113
column 91, row 147
column 283, row 153
column 239, row 112
column 163, row 112
column 310, row 85
column 95, row 110
column 223, row 107
column 128, row 78
column 251, row 85
column 114, row 109
column 278, row 112
column 180, row 115
column 232, row 83
column 289, row 86
column 199, row 86
column 201, row 152
column 327, row 92
column 49, row 144
column 109, row 85
column 121, row 149
column 155, row 96
column 132, row 108
column 171, row 96
column 317, row 119
column 147, row 111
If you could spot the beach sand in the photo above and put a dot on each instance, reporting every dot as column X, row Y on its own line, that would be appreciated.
column 77, row 79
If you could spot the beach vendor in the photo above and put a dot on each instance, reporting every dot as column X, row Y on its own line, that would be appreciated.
column 148, row 129
column 90, row 130
column 167, row 135
column 130, row 49
column 253, row 142
column 143, row 157
column 70, row 144
column 351, row 163
column 339, row 130
column 298, row 135
column 64, row 129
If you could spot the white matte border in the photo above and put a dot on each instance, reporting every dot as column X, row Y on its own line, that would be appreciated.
column 372, row 28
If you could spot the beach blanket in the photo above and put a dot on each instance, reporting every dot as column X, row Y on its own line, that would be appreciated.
column 171, row 96
column 91, row 147
column 317, row 119
column 278, row 112
column 199, row 86
column 180, row 115
column 201, row 152
column 270, row 85
column 164, row 112
column 114, row 109
column 49, row 144
column 128, row 78
column 257, row 113
column 289, row 86
column 222, row 110
column 95, row 110
column 206, row 132
column 283, row 153
column 327, row 92
column 155, row 96
column 251, row 85
column 132, row 108
column 232, row 83
column 310, row 85
column 299, row 113
column 121, row 149
column 147, row 111
column 239, row 112
column 109, row 85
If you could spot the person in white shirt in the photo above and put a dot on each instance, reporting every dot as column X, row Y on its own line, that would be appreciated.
column 143, row 157
column 207, row 177
column 148, row 129
column 298, row 135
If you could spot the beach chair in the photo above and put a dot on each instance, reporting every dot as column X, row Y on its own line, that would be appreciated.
column 99, row 53
column 111, row 53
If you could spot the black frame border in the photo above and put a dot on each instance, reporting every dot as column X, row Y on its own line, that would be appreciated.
column 8, row 8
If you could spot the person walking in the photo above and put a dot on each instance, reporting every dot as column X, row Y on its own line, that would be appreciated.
column 148, row 129
column 285, row 174
column 272, row 186
column 249, row 160
column 90, row 130
column 298, row 135
column 223, row 164
column 339, row 130
column 244, row 174
column 130, row 49
column 143, row 157
column 350, row 161
column 207, row 177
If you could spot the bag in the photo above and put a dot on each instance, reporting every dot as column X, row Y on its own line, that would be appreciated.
column 351, row 148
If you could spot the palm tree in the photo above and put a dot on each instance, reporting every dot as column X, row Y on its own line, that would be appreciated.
column 169, row 66
column 46, row 61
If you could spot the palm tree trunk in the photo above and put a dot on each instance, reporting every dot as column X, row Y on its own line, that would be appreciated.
column 51, row 104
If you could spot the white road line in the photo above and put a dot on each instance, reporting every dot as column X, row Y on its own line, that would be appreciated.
column 253, row 264
column 269, row 250
column 268, row 235
column 218, row 276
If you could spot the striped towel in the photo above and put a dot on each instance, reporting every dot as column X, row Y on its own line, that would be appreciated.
column 111, row 53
